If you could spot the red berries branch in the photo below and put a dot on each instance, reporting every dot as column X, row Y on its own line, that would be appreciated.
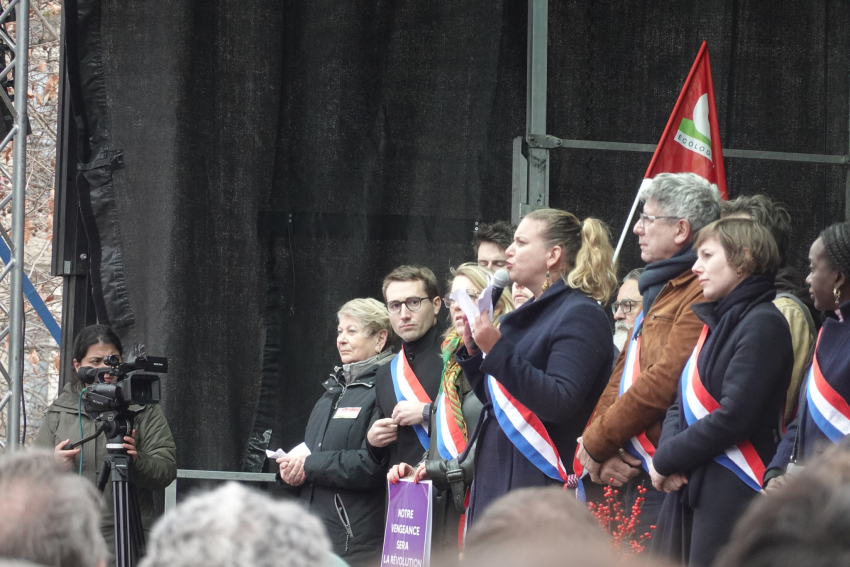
column 622, row 524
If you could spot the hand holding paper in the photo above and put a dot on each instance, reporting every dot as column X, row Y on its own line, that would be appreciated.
column 479, row 317
column 297, row 451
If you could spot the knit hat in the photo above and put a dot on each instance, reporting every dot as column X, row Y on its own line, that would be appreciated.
column 836, row 242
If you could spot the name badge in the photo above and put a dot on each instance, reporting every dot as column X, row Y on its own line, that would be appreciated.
column 347, row 413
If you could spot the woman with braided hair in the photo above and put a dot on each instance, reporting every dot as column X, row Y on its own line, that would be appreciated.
column 822, row 415
column 453, row 416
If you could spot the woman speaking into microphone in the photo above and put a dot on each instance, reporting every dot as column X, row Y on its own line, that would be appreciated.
column 541, row 373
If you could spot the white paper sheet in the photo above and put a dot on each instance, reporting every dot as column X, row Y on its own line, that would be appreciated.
column 297, row 451
column 473, row 310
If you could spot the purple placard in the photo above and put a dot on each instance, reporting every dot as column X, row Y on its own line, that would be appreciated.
column 407, row 536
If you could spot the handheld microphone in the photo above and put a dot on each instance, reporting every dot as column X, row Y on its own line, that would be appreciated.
column 501, row 280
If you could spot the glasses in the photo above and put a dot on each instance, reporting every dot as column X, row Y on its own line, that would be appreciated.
column 473, row 295
column 413, row 304
column 644, row 218
column 626, row 305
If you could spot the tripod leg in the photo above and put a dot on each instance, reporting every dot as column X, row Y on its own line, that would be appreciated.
column 137, row 532
column 124, row 556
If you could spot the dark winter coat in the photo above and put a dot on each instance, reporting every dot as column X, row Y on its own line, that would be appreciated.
column 426, row 360
column 154, row 469
column 342, row 479
column 745, row 365
column 833, row 353
column 554, row 357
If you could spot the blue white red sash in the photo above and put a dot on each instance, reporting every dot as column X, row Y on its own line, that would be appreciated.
column 742, row 459
column 450, row 441
column 638, row 446
column 526, row 432
column 828, row 408
column 408, row 388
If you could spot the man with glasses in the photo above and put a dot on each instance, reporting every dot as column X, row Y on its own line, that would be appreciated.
column 407, row 385
column 626, row 424
column 627, row 307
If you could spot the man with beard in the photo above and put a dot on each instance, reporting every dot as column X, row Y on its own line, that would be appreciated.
column 626, row 307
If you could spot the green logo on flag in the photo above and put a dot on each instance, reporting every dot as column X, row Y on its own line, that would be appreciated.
column 695, row 135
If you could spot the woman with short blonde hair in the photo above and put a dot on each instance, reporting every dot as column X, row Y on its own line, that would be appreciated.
column 340, row 481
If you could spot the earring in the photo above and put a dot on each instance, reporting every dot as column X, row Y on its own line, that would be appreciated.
column 546, row 283
column 837, row 294
column 739, row 272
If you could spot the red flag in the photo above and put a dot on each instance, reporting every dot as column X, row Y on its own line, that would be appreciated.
column 691, row 140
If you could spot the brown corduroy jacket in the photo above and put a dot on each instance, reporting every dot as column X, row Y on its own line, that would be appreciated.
column 670, row 332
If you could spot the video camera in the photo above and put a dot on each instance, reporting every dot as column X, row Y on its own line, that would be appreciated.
column 128, row 389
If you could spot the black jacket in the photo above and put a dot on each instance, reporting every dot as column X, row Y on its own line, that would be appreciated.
column 342, row 477
column 746, row 366
column 833, row 354
column 555, row 358
column 746, row 371
column 426, row 360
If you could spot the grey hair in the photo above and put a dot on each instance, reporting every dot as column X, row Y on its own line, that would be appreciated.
column 233, row 526
column 686, row 196
column 50, row 517
column 633, row 275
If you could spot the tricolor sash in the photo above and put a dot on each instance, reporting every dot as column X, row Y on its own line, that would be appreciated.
column 450, row 441
column 638, row 446
column 828, row 408
column 527, row 433
column 742, row 459
column 408, row 388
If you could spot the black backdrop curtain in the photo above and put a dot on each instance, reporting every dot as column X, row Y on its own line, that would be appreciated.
column 281, row 157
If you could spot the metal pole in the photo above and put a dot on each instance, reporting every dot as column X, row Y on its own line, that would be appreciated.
column 19, row 180
column 847, row 174
column 535, row 116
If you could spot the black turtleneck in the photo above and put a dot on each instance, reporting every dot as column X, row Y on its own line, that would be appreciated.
column 427, row 363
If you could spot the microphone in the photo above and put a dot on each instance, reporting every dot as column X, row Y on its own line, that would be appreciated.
column 501, row 280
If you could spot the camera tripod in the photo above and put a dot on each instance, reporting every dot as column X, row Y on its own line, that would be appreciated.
column 118, row 467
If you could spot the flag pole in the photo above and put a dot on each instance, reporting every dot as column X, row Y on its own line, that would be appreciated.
column 649, row 173
column 628, row 224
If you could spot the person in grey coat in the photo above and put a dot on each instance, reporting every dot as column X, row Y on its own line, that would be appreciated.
column 340, row 481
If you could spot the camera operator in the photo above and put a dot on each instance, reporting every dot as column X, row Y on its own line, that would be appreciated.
column 151, row 445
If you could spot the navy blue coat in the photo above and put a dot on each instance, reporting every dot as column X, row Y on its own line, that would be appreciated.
column 555, row 357
column 746, row 367
column 833, row 354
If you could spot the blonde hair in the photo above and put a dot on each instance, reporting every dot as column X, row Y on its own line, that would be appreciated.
column 479, row 276
column 587, row 257
column 371, row 315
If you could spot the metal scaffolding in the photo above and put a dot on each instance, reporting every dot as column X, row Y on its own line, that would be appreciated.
column 531, row 154
column 14, row 76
